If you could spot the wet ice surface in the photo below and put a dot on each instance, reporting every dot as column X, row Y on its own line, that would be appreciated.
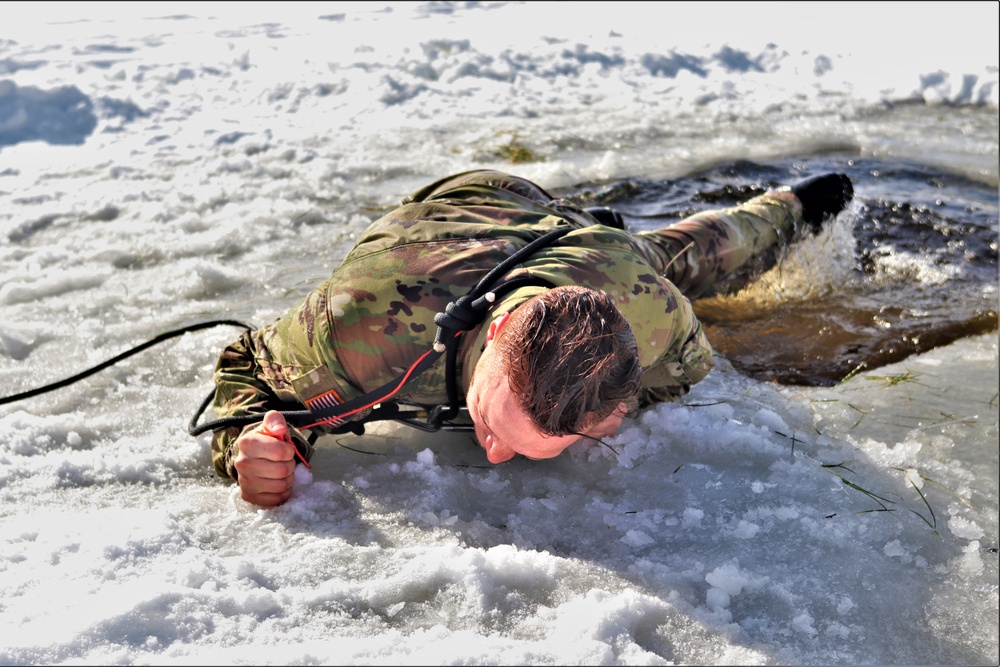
column 715, row 534
column 720, row 531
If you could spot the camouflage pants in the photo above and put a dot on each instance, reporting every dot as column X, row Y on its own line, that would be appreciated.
column 710, row 252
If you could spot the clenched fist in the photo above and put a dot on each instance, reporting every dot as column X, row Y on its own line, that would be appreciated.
column 266, row 462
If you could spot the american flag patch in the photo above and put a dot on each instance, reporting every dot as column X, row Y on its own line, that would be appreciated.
column 326, row 400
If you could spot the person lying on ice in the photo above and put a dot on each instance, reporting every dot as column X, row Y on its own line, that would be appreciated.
column 577, row 332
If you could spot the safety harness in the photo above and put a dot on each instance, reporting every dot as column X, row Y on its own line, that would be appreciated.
column 459, row 316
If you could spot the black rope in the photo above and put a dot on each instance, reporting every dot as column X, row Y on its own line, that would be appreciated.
column 476, row 314
column 461, row 315
column 124, row 355
column 464, row 313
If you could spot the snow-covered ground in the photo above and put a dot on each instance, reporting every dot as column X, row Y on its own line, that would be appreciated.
column 167, row 163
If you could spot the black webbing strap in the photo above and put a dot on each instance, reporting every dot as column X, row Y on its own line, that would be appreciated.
column 445, row 412
column 461, row 315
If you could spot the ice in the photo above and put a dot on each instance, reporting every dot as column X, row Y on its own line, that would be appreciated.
column 234, row 155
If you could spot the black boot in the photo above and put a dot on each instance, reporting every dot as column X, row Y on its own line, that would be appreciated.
column 822, row 196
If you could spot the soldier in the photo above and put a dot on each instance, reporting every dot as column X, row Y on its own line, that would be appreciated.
column 601, row 324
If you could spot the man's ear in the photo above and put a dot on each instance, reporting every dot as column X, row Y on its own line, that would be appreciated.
column 495, row 327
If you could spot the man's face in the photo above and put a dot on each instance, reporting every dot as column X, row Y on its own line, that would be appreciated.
column 502, row 427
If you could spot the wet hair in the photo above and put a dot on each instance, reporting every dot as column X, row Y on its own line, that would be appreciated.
column 570, row 358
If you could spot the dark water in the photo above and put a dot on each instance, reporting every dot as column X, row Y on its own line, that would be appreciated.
column 922, row 271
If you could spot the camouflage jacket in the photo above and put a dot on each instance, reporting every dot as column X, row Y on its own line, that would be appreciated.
column 374, row 316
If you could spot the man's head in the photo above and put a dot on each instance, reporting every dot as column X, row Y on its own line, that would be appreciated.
column 561, row 366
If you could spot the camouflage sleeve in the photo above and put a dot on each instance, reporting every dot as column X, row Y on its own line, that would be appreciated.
column 673, row 348
column 673, row 376
column 240, row 389
column 719, row 251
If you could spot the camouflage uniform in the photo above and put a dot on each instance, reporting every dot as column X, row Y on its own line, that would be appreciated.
column 374, row 316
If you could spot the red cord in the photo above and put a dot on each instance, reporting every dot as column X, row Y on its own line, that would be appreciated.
column 285, row 438
column 392, row 393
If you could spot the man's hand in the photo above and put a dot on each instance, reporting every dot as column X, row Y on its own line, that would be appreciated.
column 266, row 463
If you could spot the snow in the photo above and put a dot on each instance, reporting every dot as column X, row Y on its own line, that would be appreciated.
column 166, row 163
